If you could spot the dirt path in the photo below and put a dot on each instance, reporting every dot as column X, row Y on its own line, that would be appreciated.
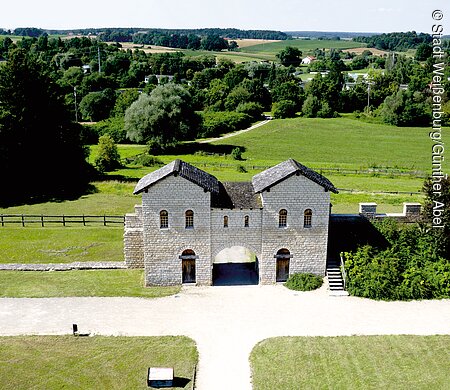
column 207, row 141
column 226, row 322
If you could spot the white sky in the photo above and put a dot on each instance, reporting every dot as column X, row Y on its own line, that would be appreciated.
column 284, row 15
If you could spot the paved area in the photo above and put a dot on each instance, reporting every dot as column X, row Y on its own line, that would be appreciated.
column 63, row 266
column 226, row 322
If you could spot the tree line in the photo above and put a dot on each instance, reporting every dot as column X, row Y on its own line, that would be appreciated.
column 396, row 41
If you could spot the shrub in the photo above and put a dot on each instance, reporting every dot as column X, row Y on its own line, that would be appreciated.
column 284, row 109
column 108, row 157
column 114, row 127
column 147, row 160
column 236, row 154
column 304, row 282
column 216, row 123
column 241, row 169
column 252, row 109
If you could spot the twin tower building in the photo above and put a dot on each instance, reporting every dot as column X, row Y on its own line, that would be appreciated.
column 187, row 217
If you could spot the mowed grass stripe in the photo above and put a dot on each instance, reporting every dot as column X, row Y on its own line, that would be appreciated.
column 85, row 283
column 358, row 362
column 56, row 362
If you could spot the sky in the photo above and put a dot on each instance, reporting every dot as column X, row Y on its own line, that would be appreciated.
column 284, row 15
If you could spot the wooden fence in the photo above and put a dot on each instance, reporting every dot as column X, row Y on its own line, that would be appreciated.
column 28, row 219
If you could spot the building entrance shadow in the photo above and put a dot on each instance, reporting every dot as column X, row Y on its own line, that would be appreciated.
column 235, row 274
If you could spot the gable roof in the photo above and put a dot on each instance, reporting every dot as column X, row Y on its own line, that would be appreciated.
column 236, row 195
column 183, row 169
column 288, row 168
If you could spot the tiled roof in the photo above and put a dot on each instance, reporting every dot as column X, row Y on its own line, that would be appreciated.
column 236, row 195
column 278, row 173
column 185, row 170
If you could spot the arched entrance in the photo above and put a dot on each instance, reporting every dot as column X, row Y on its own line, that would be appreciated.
column 235, row 266
column 188, row 266
column 283, row 257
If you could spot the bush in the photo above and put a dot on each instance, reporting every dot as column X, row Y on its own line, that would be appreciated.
column 236, row 154
column 114, row 127
column 284, row 109
column 147, row 161
column 412, row 268
column 108, row 157
column 216, row 123
column 241, row 169
column 304, row 282
column 252, row 109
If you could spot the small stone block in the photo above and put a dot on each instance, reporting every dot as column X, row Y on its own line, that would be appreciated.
column 160, row 377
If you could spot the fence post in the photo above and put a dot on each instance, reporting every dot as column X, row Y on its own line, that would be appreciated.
column 23, row 221
column 3, row 222
column 84, row 221
column 64, row 220
column 104, row 220
column 42, row 220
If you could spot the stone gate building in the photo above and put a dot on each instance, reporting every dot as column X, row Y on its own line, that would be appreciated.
column 187, row 217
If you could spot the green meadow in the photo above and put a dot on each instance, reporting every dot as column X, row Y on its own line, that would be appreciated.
column 357, row 362
column 67, row 362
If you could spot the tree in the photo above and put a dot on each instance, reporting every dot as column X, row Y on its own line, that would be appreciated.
column 164, row 117
column 284, row 109
column 96, row 106
column 40, row 148
column 290, row 56
column 423, row 51
column 108, row 157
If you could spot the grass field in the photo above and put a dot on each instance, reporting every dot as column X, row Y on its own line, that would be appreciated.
column 85, row 283
column 306, row 46
column 358, row 362
column 318, row 143
column 60, row 244
column 67, row 362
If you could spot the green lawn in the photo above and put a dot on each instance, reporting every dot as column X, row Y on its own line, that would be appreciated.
column 67, row 362
column 60, row 244
column 357, row 362
column 306, row 46
column 318, row 143
column 86, row 283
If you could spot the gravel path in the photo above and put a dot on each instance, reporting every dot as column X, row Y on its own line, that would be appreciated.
column 207, row 141
column 226, row 322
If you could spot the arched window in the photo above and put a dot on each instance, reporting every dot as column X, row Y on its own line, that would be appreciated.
column 225, row 221
column 189, row 219
column 163, row 219
column 246, row 221
column 282, row 218
column 307, row 218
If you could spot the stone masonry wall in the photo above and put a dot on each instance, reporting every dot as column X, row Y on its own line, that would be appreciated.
column 308, row 246
column 133, row 239
column 162, row 247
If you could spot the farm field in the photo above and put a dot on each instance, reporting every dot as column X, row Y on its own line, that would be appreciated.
column 356, row 362
column 79, row 283
column 93, row 362
column 305, row 45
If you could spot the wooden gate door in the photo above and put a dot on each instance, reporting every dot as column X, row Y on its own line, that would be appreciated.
column 282, row 270
column 188, row 271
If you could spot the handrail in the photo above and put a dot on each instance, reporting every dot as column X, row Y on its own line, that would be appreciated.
column 344, row 274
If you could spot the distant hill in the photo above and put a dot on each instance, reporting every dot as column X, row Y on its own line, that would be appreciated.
column 328, row 34
column 126, row 34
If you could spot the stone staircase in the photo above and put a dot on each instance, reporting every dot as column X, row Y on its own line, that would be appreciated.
column 335, row 280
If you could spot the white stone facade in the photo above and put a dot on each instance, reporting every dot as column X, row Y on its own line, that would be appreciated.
column 158, row 249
